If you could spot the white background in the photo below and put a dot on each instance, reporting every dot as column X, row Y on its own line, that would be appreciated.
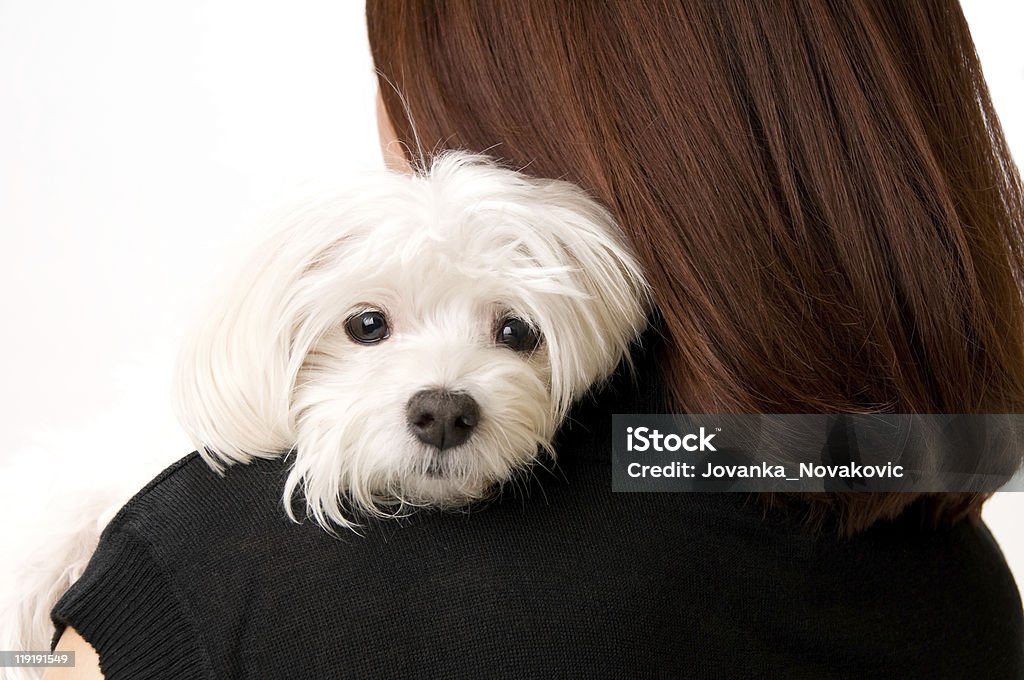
column 138, row 141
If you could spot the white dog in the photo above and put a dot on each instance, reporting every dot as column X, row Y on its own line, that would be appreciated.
column 415, row 340
column 411, row 341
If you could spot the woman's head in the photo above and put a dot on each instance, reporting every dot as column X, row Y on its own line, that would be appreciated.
column 390, row 146
column 820, row 192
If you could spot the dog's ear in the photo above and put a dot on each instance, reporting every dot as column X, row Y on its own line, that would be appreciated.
column 583, row 289
column 608, row 302
column 237, row 368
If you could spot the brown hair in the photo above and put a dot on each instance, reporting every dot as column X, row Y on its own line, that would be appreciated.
column 820, row 192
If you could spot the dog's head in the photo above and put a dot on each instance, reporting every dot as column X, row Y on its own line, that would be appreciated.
column 415, row 339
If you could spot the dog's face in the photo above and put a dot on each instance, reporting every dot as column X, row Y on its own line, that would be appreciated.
column 435, row 380
column 416, row 340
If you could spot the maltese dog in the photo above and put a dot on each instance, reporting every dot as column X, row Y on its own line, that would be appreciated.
column 415, row 340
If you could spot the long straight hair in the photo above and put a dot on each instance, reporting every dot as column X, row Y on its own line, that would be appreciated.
column 820, row 192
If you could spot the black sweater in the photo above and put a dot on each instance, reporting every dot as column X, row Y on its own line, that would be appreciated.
column 202, row 576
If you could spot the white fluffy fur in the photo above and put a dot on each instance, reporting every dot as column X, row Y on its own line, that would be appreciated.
column 60, row 491
column 270, row 370
column 444, row 253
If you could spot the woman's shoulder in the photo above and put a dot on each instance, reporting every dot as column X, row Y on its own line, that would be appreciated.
column 691, row 583
column 188, row 523
column 193, row 494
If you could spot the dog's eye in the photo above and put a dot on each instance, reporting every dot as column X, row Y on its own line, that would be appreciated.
column 516, row 334
column 367, row 328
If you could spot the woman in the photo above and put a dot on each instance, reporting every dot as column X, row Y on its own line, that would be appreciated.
column 825, row 205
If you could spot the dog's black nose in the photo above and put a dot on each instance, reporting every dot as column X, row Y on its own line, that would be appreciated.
column 441, row 418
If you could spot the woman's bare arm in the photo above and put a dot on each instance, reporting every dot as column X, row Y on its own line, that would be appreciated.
column 87, row 663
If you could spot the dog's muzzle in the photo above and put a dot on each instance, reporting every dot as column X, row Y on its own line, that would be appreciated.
column 441, row 418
